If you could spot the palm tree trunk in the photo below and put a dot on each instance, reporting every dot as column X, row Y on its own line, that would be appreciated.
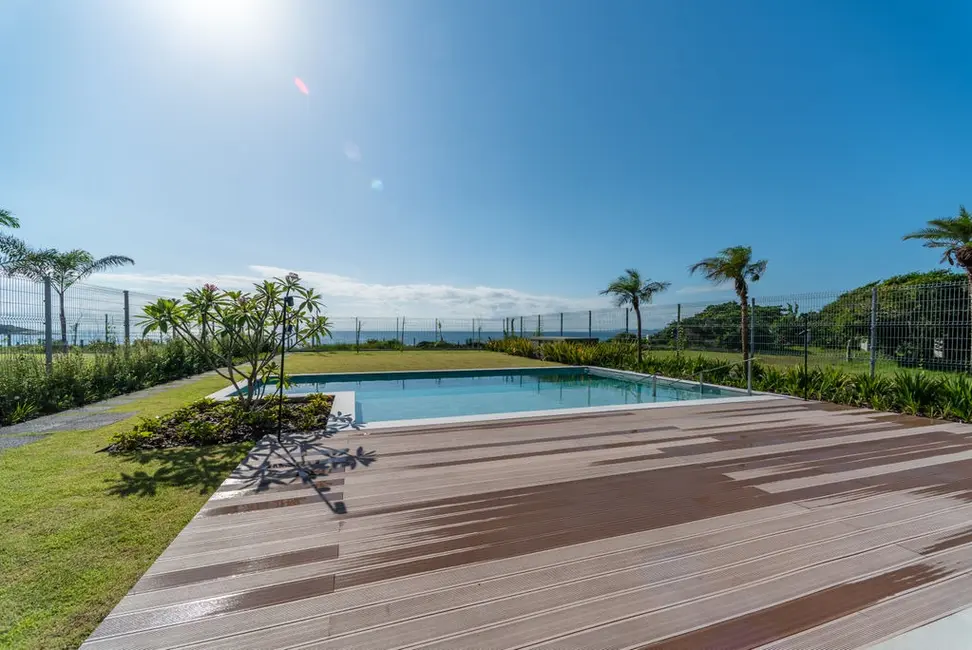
column 744, row 303
column 638, row 316
column 64, row 340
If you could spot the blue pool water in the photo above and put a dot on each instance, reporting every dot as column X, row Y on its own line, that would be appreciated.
column 406, row 396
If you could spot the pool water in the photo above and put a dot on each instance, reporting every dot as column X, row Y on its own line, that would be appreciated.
column 406, row 396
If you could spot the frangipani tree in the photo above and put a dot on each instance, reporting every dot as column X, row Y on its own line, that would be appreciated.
column 242, row 333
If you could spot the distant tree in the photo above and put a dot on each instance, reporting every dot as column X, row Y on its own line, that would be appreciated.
column 954, row 235
column 65, row 269
column 630, row 289
column 736, row 265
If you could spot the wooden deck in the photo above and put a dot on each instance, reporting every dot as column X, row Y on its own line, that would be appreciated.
column 774, row 524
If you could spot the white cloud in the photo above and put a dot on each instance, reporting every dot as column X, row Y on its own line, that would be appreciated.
column 346, row 296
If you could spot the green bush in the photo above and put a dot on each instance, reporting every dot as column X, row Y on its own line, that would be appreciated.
column 914, row 393
column 28, row 390
column 208, row 422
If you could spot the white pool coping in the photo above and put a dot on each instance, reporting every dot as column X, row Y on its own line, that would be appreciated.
column 344, row 401
column 953, row 632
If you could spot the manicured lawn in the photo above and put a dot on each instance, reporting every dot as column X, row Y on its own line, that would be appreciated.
column 307, row 362
column 79, row 527
column 817, row 358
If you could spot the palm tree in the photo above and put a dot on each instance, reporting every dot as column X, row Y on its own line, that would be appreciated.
column 629, row 289
column 734, row 264
column 954, row 234
column 65, row 269
column 12, row 250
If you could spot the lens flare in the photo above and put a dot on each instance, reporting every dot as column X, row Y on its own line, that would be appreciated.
column 377, row 185
column 301, row 86
column 352, row 152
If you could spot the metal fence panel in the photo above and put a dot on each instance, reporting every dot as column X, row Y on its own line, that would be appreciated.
column 885, row 327
column 888, row 327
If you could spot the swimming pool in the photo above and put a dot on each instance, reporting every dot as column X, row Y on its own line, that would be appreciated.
column 394, row 396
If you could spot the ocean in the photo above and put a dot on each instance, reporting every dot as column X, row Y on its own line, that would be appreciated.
column 418, row 336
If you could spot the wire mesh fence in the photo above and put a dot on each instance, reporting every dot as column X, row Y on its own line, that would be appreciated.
column 870, row 329
column 21, row 313
column 873, row 328
column 93, row 319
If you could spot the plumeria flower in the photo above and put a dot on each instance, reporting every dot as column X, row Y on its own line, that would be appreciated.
column 210, row 287
column 292, row 277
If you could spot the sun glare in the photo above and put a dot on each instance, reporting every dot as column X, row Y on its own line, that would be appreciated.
column 227, row 26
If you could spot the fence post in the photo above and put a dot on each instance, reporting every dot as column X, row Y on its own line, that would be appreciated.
column 752, row 350
column 561, row 323
column 627, row 313
column 806, row 357
column 521, row 327
column 678, row 327
column 539, row 329
column 48, row 326
column 127, row 316
column 590, row 334
column 872, row 343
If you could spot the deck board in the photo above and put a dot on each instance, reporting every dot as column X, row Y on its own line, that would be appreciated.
column 760, row 524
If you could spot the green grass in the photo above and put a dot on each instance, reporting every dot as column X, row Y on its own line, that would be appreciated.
column 817, row 358
column 79, row 527
column 378, row 361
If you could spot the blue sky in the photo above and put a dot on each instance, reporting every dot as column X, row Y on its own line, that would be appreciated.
column 484, row 157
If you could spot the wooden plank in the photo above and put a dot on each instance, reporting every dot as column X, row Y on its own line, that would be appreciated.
column 618, row 530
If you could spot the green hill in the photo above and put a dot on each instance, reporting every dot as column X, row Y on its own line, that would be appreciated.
column 922, row 321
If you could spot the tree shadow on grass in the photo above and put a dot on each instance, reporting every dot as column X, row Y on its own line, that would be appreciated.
column 204, row 468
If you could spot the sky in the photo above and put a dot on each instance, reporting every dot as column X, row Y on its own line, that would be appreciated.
column 484, row 157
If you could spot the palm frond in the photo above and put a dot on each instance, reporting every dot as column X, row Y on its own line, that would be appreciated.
column 756, row 270
column 630, row 289
column 107, row 262
column 7, row 219
column 36, row 264
column 733, row 264
column 948, row 232
column 711, row 268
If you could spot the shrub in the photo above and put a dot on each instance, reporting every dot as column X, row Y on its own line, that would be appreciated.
column 915, row 393
column 28, row 390
column 208, row 422
column 956, row 402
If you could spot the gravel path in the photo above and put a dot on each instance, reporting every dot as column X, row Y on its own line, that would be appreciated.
column 87, row 417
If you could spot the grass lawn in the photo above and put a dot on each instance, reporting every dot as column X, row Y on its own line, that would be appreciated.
column 308, row 362
column 79, row 527
column 816, row 359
